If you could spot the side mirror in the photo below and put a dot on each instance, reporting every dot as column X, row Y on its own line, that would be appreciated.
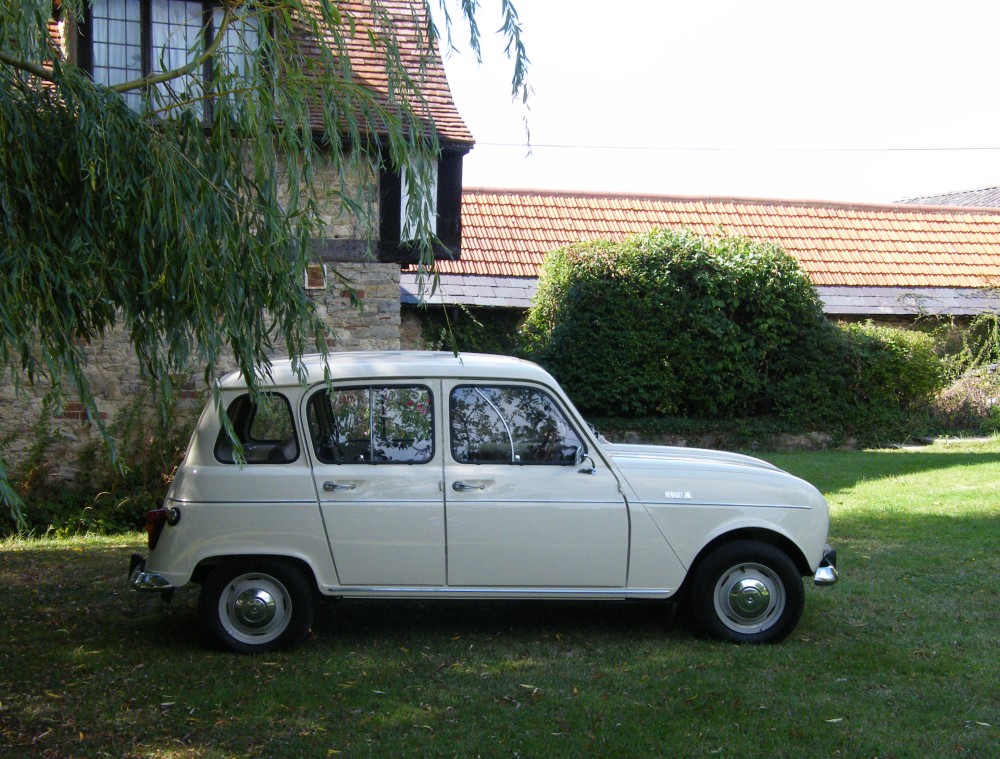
column 582, row 456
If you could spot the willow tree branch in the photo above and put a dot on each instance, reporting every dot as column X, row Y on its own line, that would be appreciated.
column 36, row 69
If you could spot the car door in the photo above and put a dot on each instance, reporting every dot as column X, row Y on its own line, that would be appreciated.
column 521, row 510
column 377, row 470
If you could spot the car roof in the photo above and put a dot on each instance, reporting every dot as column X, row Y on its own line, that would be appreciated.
column 392, row 365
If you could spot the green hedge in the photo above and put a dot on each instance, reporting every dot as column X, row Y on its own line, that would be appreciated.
column 669, row 323
column 868, row 381
column 472, row 330
column 672, row 324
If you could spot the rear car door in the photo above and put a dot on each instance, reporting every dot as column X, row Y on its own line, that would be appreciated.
column 377, row 471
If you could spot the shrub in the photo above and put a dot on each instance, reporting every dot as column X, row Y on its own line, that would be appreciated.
column 103, row 497
column 969, row 404
column 973, row 349
column 478, row 330
column 669, row 322
column 863, row 380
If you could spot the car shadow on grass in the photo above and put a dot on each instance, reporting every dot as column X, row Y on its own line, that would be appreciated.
column 360, row 619
column 357, row 622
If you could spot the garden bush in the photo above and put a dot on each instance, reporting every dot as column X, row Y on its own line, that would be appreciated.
column 970, row 404
column 672, row 324
column 971, row 401
column 866, row 381
column 103, row 497
column 669, row 323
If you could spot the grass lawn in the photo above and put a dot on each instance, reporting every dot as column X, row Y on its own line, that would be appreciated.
column 900, row 659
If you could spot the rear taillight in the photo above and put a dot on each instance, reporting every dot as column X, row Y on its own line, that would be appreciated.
column 155, row 521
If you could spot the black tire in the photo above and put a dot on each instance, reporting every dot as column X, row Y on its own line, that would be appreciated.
column 256, row 605
column 747, row 592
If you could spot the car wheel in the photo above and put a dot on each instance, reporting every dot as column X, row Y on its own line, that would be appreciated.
column 256, row 605
column 747, row 592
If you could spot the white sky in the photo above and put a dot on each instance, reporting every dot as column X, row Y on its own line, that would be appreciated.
column 854, row 100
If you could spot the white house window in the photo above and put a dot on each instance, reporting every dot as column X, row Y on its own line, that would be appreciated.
column 412, row 212
column 177, row 39
column 133, row 38
column 439, row 210
column 116, row 28
column 237, row 53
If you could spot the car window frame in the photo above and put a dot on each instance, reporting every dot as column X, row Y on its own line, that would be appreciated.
column 554, row 402
column 323, row 460
column 227, row 452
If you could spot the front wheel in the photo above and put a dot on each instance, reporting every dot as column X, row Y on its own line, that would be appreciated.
column 256, row 605
column 747, row 592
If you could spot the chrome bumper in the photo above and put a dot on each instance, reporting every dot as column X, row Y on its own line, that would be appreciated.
column 826, row 572
column 140, row 579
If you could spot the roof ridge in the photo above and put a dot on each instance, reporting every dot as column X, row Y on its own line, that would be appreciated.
column 898, row 207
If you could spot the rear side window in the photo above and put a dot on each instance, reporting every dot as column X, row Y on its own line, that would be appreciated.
column 392, row 424
column 266, row 431
column 510, row 424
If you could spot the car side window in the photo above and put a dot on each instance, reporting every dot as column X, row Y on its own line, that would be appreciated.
column 266, row 431
column 510, row 424
column 390, row 424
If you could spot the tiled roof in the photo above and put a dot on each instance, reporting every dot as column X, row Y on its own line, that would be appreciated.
column 906, row 301
column 407, row 19
column 986, row 197
column 469, row 290
column 507, row 233
column 841, row 302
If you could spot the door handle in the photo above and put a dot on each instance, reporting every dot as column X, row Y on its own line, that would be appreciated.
column 329, row 487
column 460, row 486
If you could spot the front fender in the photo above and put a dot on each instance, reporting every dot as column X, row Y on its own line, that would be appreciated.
column 690, row 529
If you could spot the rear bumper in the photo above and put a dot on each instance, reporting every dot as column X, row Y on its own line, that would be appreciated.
column 148, row 582
column 826, row 572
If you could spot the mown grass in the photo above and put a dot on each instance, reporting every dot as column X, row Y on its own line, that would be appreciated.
column 898, row 660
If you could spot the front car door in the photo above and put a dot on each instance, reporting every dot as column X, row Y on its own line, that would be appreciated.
column 521, row 510
column 377, row 470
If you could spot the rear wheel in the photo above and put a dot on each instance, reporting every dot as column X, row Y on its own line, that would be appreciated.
column 256, row 605
column 747, row 592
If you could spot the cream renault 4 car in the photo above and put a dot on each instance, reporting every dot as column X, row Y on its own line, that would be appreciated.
column 426, row 475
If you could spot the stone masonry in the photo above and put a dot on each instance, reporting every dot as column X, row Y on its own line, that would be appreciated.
column 117, row 379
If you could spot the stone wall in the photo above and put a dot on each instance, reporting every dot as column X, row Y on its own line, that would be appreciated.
column 117, row 379
column 350, row 214
column 411, row 334
column 116, row 376
column 376, row 325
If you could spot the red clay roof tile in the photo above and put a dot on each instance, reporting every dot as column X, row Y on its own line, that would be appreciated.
column 508, row 233
column 409, row 22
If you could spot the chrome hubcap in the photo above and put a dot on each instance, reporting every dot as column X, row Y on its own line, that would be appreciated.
column 749, row 598
column 254, row 608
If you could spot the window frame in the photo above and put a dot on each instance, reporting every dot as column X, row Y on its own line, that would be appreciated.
column 447, row 195
column 225, row 450
column 510, row 430
column 316, row 432
column 206, row 77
